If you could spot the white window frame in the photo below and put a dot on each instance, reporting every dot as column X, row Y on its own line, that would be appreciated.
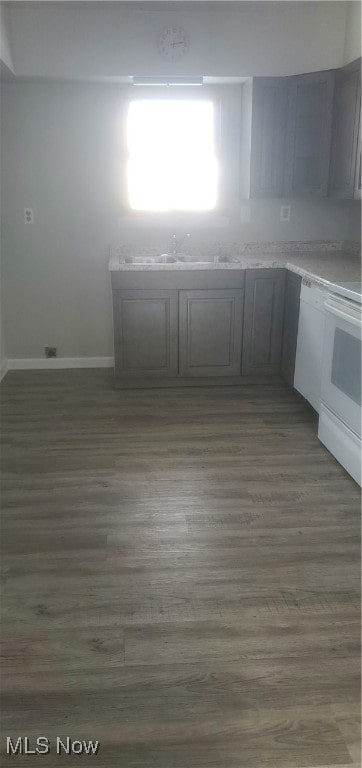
column 226, row 110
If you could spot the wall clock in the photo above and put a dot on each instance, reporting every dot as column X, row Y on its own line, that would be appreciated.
column 173, row 43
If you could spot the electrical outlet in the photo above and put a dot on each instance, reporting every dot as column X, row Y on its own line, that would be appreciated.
column 50, row 351
column 28, row 216
column 285, row 213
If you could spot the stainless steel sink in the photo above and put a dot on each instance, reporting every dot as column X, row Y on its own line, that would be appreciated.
column 184, row 258
column 175, row 258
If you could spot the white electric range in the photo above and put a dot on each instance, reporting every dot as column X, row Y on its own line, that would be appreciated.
column 349, row 291
column 340, row 410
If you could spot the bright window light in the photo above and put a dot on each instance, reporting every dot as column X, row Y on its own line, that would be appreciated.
column 172, row 162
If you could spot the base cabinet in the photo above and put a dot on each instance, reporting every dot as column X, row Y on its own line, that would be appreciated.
column 210, row 332
column 145, row 333
column 173, row 329
column 200, row 328
column 263, row 321
column 290, row 326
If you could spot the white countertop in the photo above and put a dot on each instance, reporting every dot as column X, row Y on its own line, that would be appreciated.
column 325, row 267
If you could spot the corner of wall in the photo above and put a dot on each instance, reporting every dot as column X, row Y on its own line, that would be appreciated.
column 352, row 39
column 5, row 43
column 3, row 368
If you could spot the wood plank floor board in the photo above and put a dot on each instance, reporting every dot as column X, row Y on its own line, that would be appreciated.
column 180, row 576
column 254, row 683
column 64, row 576
column 235, row 737
column 108, row 608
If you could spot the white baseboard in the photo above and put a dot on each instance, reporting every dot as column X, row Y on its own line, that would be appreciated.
column 53, row 363
column 3, row 369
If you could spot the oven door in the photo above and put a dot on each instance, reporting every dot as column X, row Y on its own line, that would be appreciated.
column 341, row 376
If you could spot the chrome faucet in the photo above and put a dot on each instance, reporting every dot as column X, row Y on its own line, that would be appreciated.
column 177, row 242
column 173, row 245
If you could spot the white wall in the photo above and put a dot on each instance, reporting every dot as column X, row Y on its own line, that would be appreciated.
column 3, row 358
column 5, row 58
column 103, row 39
column 352, row 43
column 61, row 155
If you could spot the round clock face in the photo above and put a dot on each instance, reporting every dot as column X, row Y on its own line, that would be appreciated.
column 173, row 43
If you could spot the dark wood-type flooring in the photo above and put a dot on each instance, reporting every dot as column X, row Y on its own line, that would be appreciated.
column 180, row 577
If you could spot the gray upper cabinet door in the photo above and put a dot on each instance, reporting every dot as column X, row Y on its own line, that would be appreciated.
column 308, row 134
column 145, row 333
column 210, row 332
column 290, row 325
column 268, row 137
column 263, row 321
column 345, row 137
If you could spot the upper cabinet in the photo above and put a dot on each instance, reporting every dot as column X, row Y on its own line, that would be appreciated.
column 345, row 178
column 303, row 135
column 268, row 137
column 308, row 134
column 290, row 138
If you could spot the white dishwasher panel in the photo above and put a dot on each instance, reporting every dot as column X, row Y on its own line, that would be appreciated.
column 309, row 355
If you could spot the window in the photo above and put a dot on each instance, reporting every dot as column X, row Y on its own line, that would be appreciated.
column 172, row 163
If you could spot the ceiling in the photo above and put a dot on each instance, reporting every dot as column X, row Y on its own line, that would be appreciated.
column 109, row 42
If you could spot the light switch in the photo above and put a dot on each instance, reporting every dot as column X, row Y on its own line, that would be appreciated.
column 28, row 216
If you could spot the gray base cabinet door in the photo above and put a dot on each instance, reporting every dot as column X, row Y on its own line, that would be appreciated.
column 290, row 331
column 145, row 333
column 263, row 321
column 210, row 332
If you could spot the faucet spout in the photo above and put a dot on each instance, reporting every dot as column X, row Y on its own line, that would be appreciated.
column 177, row 242
column 173, row 245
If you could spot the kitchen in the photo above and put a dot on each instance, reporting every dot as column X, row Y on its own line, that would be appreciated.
column 181, row 390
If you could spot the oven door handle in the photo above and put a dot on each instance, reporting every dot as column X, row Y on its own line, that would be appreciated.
column 349, row 318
